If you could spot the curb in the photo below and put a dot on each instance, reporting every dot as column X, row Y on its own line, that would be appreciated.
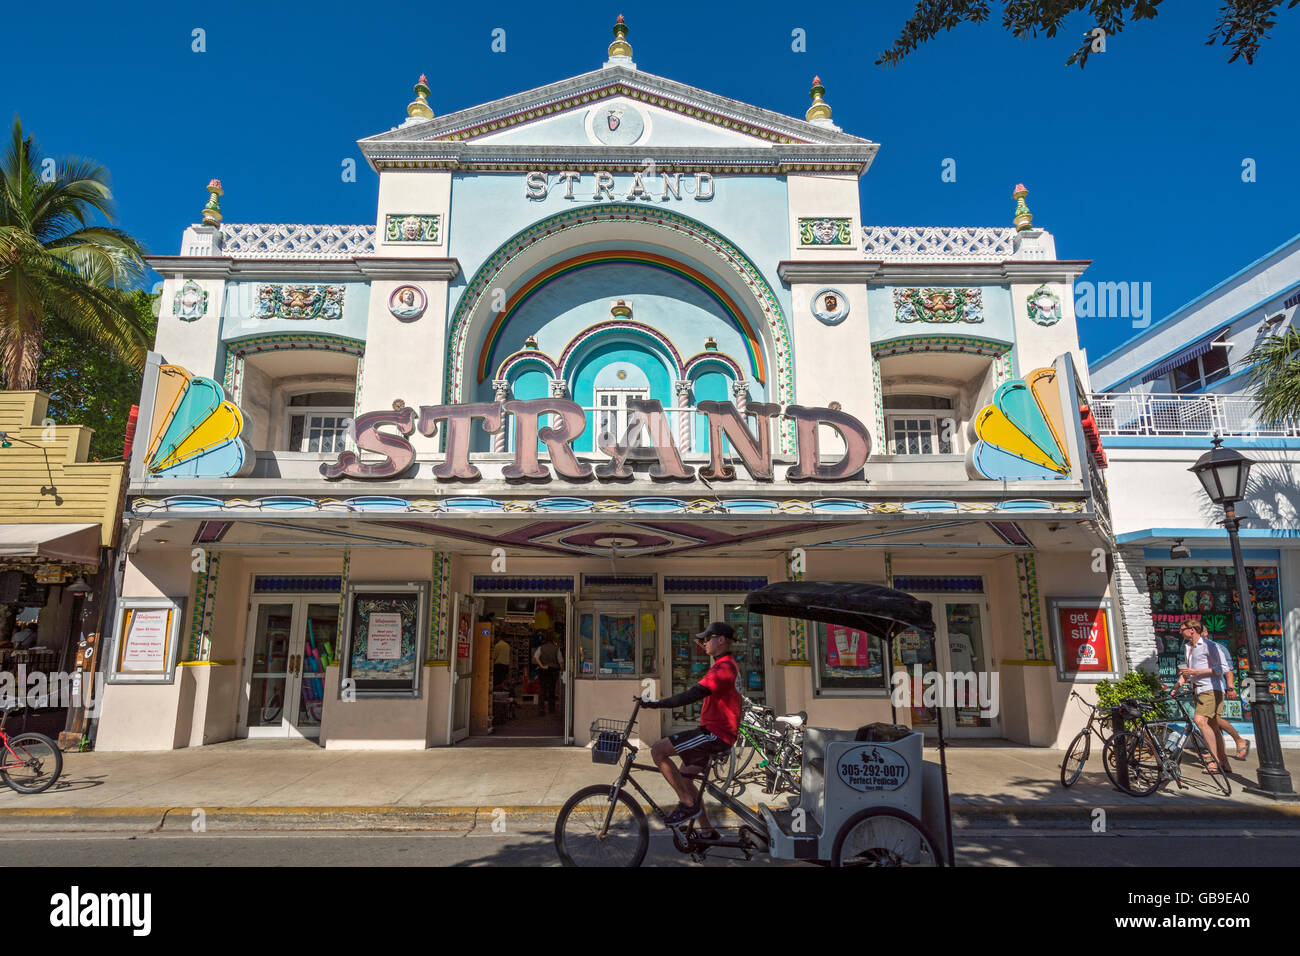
column 466, row 818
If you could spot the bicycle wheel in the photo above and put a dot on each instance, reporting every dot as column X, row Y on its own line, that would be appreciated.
column 33, row 765
column 884, row 836
column 1143, row 758
column 744, row 752
column 1076, row 757
column 577, row 830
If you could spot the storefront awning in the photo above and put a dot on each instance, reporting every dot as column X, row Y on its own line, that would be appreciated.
column 73, row 543
column 1199, row 349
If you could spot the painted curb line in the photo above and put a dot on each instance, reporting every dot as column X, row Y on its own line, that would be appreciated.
column 465, row 818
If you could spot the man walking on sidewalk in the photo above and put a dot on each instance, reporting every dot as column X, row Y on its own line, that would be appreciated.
column 1207, row 666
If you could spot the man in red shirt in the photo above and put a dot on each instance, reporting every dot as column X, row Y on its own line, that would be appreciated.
column 719, row 724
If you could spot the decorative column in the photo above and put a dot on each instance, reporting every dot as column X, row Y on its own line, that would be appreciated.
column 343, row 590
column 502, row 389
column 440, row 609
column 1031, row 615
column 794, row 565
column 684, row 416
column 740, row 394
column 199, row 646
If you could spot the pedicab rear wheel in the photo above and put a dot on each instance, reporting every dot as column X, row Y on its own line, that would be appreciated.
column 885, row 836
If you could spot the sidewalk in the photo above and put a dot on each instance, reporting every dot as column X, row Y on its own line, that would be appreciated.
column 296, row 784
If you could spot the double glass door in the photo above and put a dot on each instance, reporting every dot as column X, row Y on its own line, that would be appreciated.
column 959, row 648
column 291, row 642
column 688, row 663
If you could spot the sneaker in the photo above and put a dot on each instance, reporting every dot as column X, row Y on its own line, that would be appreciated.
column 684, row 813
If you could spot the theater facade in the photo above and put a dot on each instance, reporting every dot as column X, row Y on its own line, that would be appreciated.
column 613, row 353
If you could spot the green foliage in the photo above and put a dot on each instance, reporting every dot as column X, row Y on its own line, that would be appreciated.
column 1242, row 24
column 90, row 386
column 1133, row 684
column 57, row 263
column 1274, row 376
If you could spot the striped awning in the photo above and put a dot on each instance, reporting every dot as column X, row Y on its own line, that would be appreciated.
column 1186, row 355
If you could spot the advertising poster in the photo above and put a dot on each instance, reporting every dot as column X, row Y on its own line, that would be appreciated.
column 385, row 634
column 384, row 637
column 462, row 636
column 144, row 648
column 1085, row 640
column 846, row 647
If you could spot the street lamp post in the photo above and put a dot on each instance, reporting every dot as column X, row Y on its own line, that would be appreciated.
column 1224, row 474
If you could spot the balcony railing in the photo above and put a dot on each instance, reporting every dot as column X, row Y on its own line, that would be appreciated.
column 1174, row 415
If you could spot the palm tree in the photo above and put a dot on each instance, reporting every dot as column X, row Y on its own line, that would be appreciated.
column 56, row 264
column 1274, row 377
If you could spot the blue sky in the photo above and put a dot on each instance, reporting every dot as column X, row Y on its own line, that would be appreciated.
column 1134, row 162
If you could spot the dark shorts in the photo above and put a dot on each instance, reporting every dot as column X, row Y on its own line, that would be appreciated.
column 695, row 747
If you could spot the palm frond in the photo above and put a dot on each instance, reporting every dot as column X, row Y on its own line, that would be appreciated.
column 1274, row 377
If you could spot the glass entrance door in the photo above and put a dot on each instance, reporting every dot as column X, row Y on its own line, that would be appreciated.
column 960, row 658
column 291, row 642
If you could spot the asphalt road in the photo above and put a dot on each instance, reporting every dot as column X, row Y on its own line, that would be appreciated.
column 1002, row 847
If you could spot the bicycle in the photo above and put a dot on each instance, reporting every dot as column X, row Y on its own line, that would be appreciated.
column 29, row 762
column 1100, row 721
column 782, row 750
column 1153, row 753
column 603, row 825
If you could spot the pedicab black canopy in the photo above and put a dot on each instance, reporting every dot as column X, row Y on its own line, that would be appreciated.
column 877, row 610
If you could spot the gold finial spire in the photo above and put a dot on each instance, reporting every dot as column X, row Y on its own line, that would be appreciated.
column 212, row 211
column 1024, row 218
column 419, row 107
column 621, row 310
column 620, row 46
column 820, row 109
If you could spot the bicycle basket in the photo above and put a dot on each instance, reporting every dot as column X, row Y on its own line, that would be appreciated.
column 607, row 738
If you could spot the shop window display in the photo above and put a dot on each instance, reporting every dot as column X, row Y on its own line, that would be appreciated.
column 848, row 660
column 1209, row 594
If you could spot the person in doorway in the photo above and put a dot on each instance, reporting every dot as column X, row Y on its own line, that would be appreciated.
column 550, row 662
column 1208, row 667
column 500, row 663
column 719, row 724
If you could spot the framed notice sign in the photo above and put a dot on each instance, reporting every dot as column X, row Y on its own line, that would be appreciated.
column 146, row 639
column 385, row 632
column 1084, row 639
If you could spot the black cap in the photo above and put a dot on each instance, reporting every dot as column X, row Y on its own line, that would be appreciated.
column 717, row 629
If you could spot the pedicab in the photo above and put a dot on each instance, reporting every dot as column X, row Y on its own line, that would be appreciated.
column 867, row 797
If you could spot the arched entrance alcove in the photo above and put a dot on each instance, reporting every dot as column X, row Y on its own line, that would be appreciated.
column 647, row 287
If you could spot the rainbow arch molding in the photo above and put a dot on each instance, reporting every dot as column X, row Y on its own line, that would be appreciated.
column 195, row 432
column 1021, row 432
column 651, row 260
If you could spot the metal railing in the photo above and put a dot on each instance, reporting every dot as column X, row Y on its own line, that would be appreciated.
column 1174, row 415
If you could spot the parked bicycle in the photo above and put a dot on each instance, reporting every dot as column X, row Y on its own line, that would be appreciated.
column 603, row 825
column 29, row 762
column 1100, row 725
column 779, row 740
column 1152, row 753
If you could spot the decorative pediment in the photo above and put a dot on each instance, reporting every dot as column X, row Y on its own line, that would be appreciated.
column 599, row 115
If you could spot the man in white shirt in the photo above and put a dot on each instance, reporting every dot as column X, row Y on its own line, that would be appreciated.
column 1208, row 667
